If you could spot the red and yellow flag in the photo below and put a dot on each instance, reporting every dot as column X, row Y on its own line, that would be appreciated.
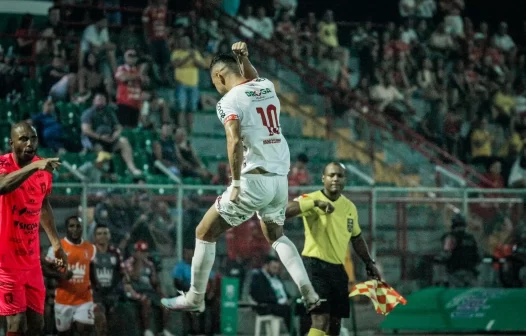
column 383, row 296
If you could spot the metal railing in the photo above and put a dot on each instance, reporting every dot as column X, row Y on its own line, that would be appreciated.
column 400, row 223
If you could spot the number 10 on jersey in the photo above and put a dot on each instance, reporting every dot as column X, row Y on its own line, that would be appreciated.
column 269, row 119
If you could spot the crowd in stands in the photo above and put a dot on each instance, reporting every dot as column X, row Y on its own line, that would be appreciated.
column 459, row 85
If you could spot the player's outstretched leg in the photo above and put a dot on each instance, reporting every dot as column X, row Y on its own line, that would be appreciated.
column 291, row 259
column 207, row 233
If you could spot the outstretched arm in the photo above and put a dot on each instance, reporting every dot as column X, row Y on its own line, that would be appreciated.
column 304, row 206
column 247, row 69
column 11, row 181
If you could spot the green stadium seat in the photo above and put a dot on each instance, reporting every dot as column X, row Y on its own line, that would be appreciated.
column 118, row 165
column 31, row 88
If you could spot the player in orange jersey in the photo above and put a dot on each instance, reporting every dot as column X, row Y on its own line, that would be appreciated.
column 74, row 300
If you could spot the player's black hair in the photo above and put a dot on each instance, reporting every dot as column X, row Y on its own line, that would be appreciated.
column 335, row 163
column 70, row 218
column 228, row 59
column 269, row 259
column 101, row 226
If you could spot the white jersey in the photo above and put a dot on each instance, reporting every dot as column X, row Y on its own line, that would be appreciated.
column 256, row 105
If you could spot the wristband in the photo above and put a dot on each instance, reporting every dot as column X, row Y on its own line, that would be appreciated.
column 306, row 205
column 236, row 183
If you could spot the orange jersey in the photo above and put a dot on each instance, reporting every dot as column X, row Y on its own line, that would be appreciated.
column 76, row 290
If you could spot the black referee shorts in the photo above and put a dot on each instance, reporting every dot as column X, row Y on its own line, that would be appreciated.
column 331, row 282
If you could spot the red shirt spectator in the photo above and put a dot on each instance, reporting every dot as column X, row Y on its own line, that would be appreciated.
column 154, row 18
column 129, row 91
column 298, row 173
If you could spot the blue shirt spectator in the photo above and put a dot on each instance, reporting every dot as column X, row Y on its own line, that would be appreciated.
column 49, row 129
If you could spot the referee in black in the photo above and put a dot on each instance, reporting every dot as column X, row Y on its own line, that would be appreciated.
column 331, row 221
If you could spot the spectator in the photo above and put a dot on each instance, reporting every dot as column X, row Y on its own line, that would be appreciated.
column 285, row 29
column 385, row 95
column 155, row 33
column 407, row 8
column 223, row 175
column 101, row 131
column 285, row 6
column 48, row 47
column 146, row 284
column 504, row 107
column 460, row 254
column 426, row 9
column 90, row 80
column 299, row 174
column 327, row 33
column 494, row 176
column 481, row 142
column 502, row 40
column 268, row 290
column 517, row 178
column 265, row 26
column 25, row 36
column 155, row 111
column 98, row 171
column 249, row 24
column 57, row 82
column 165, row 150
column 112, row 15
column 453, row 20
column 49, row 129
column 129, row 90
column 189, row 162
column 96, row 40
column 11, row 77
column 330, row 64
column 114, row 212
column 441, row 42
column 187, row 61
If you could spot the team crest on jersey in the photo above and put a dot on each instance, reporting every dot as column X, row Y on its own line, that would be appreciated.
column 350, row 223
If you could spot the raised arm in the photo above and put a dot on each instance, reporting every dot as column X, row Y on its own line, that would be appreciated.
column 247, row 69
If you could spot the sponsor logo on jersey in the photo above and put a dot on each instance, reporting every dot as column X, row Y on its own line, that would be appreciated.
column 258, row 93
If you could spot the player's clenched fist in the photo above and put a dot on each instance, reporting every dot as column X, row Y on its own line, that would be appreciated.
column 47, row 164
column 240, row 49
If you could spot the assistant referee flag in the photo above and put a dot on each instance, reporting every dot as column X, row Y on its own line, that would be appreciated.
column 383, row 296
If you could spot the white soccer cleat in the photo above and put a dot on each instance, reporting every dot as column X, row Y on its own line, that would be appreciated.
column 180, row 303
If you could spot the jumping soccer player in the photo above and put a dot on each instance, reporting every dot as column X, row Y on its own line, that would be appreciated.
column 73, row 298
column 330, row 220
column 25, row 184
column 259, row 160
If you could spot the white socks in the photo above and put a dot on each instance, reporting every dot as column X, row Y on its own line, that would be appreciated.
column 202, row 262
column 291, row 259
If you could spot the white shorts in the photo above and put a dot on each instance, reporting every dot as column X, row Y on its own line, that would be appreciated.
column 264, row 194
column 65, row 315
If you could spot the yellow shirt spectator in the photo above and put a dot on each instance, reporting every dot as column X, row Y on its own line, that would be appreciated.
column 512, row 146
column 328, row 34
column 480, row 143
column 504, row 103
column 188, row 72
